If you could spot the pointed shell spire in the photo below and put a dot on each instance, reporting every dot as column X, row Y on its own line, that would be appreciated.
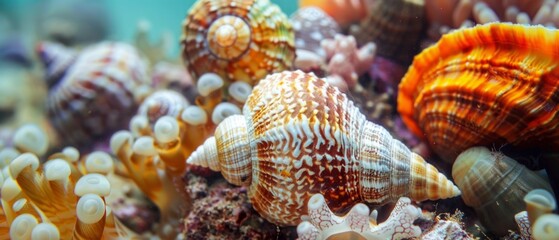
column 299, row 136
column 231, row 137
column 57, row 59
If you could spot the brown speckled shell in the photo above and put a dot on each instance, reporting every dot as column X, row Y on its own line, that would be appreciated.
column 262, row 42
column 395, row 26
column 489, row 85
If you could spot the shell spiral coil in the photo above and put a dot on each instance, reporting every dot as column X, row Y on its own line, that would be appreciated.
column 98, row 93
column 299, row 136
column 238, row 40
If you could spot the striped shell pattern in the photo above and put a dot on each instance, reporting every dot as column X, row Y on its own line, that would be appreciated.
column 299, row 136
column 239, row 40
column 96, row 95
column 489, row 85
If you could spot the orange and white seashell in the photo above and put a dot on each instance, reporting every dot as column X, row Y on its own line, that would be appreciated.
column 488, row 85
column 237, row 39
column 299, row 136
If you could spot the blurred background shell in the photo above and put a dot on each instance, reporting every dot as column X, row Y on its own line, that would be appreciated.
column 162, row 103
column 98, row 93
column 395, row 26
column 312, row 25
column 494, row 185
column 344, row 12
column 489, row 85
column 238, row 40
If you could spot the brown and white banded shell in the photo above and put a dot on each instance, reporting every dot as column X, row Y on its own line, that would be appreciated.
column 299, row 136
column 57, row 59
column 96, row 96
column 239, row 40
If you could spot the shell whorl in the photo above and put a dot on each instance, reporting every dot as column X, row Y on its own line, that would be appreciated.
column 228, row 151
column 237, row 39
column 228, row 37
column 306, row 137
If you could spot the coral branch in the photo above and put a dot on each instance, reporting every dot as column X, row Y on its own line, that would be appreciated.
column 323, row 223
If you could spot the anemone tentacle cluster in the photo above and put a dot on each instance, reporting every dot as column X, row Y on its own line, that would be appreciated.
column 59, row 199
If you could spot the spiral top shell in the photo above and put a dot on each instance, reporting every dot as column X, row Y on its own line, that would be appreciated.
column 237, row 39
column 299, row 136
column 487, row 85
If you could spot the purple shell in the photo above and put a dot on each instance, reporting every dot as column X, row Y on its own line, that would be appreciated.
column 96, row 96
column 57, row 59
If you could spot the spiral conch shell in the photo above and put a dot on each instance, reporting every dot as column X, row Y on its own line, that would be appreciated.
column 300, row 136
column 239, row 40
column 485, row 86
column 98, row 93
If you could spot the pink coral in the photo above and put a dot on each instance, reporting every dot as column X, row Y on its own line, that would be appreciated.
column 311, row 26
column 345, row 61
column 322, row 223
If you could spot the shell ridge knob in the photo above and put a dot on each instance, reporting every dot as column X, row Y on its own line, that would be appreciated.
column 305, row 137
column 237, row 39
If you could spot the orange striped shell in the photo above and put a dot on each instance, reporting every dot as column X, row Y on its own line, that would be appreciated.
column 239, row 40
column 490, row 85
